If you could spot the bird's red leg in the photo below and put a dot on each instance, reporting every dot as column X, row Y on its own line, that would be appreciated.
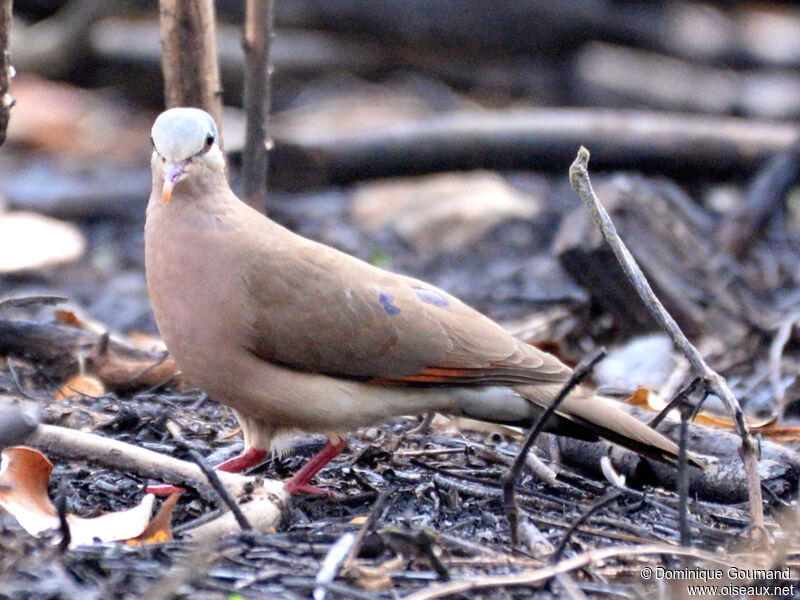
column 300, row 482
column 249, row 458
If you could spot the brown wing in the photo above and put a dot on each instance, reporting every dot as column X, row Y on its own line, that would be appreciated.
column 322, row 311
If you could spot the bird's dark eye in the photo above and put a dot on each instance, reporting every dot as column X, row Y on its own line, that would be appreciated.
column 209, row 140
column 152, row 143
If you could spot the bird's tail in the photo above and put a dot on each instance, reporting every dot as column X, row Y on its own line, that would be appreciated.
column 584, row 414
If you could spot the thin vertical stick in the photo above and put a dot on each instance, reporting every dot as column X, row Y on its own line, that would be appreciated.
column 713, row 382
column 683, row 477
column 6, row 102
column 189, row 56
column 257, row 38
column 581, row 372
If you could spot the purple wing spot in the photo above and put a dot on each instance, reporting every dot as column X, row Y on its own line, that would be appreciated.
column 431, row 297
column 385, row 301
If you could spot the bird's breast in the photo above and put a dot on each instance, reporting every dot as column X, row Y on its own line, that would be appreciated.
column 195, row 299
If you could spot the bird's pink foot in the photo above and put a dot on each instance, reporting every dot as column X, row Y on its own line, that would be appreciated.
column 250, row 458
column 300, row 482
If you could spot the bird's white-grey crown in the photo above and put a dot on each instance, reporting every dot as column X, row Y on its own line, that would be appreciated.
column 180, row 133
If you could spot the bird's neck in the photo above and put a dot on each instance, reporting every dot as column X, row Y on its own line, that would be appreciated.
column 194, row 200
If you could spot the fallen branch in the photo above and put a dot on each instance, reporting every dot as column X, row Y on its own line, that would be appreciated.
column 713, row 382
column 72, row 444
column 672, row 239
column 266, row 498
column 722, row 481
column 264, row 510
column 541, row 138
column 62, row 348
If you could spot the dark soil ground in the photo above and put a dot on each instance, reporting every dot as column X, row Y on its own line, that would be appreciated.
column 443, row 516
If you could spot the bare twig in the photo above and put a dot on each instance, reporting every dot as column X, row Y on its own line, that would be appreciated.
column 6, row 101
column 776, row 353
column 605, row 500
column 113, row 454
column 714, row 383
column 683, row 476
column 538, row 576
column 678, row 400
column 256, row 41
column 27, row 301
column 333, row 562
column 222, row 491
column 580, row 373
column 268, row 498
column 374, row 514
column 63, row 525
column 189, row 56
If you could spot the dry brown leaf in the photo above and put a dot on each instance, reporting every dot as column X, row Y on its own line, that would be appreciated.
column 124, row 370
column 26, row 472
column 641, row 397
column 67, row 317
column 374, row 578
column 81, row 321
column 81, row 384
column 144, row 341
column 30, row 241
column 160, row 528
column 720, row 421
column 112, row 527
column 779, row 433
column 652, row 401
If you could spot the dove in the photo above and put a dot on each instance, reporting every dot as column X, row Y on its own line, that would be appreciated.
column 294, row 335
